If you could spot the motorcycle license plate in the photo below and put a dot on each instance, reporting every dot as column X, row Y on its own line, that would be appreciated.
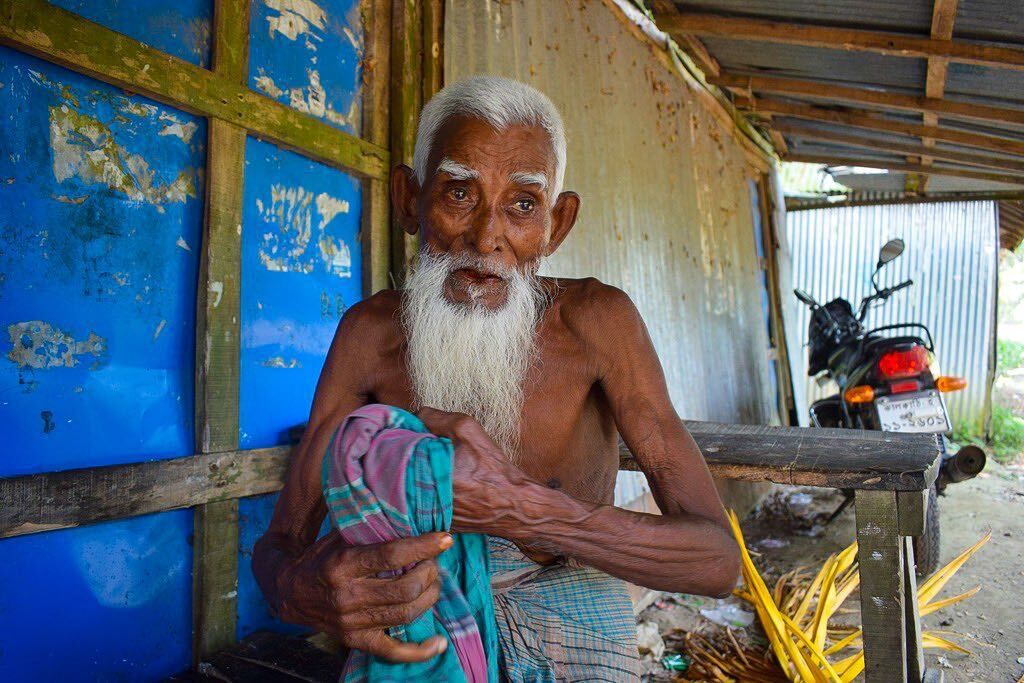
column 922, row 412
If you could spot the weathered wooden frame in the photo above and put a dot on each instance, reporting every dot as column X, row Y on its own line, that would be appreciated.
column 234, row 111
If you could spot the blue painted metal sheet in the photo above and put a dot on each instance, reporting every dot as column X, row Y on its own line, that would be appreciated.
column 178, row 27
column 307, row 55
column 109, row 602
column 300, row 272
column 100, row 222
column 253, row 612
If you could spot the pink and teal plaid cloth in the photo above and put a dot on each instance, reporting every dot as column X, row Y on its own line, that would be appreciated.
column 385, row 477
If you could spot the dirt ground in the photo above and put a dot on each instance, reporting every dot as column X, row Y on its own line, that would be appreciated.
column 990, row 624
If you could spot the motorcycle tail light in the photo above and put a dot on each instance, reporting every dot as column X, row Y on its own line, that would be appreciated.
column 904, row 386
column 945, row 384
column 900, row 364
column 862, row 394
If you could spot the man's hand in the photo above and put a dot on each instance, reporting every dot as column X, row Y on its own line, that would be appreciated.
column 482, row 477
column 336, row 589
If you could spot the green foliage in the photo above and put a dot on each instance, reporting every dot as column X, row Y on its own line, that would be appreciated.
column 1009, row 356
column 1007, row 434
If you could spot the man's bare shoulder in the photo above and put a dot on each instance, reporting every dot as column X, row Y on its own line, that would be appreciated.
column 599, row 314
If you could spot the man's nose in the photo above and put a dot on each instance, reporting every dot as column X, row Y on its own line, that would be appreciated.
column 486, row 230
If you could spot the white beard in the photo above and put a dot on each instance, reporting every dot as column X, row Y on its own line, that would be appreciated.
column 467, row 358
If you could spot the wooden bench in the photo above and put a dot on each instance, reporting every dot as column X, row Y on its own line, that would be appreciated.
column 891, row 474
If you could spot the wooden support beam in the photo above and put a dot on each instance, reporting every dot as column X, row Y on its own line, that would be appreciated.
column 61, row 37
column 791, row 33
column 882, row 587
column 375, row 229
column 836, row 458
column 874, row 98
column 803, row 131
column 218, row 312
column 899, row 166
column 796, row 204
column 943, row 18
column 406, row 102
column 860, row 118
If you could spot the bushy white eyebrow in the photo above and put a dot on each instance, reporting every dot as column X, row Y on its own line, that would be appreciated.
column 527, row 178
column 456, row 170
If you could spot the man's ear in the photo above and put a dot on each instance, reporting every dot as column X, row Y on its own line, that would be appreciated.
column 404, row 194
column 563, row 217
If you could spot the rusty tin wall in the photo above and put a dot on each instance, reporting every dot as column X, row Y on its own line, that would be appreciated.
column 666, row 211
column 951, row 254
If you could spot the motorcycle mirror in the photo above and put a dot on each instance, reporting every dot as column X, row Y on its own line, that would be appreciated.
column 804, row 297
column 890, row 250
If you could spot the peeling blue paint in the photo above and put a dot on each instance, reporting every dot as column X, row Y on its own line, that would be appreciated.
column 178, row 27
column 91, row 270
column 287, row 274
column 307, row 54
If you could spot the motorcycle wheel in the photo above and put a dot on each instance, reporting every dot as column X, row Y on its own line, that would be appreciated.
column 926, row 546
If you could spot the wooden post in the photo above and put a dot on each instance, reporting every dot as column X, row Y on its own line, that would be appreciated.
column 882, row 586
column 375, row 234
column 406, row 101
column 215, row 549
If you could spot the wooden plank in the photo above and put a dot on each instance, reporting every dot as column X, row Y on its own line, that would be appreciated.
column 788, row 455
column 835, row 38
column 860, row 118
column 899, row 166
column 1011, row 166
column 912, row 507
column 874, row 98
column 433, row 48
column 375, row 232
column 882, row 606
column 231, row 40
column 268, row 657
column 943, row 18
column 49, row 32
column 406, row 102
column 796, row 204
column 915, row 649
column 214, row 577
column 58, row 500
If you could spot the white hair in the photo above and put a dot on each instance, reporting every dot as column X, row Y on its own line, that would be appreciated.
column 501, row 102
column 465, row 357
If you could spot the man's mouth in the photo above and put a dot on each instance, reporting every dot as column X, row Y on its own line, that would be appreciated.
column 472, row 276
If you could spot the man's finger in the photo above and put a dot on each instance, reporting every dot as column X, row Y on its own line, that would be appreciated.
column 401, row 589
column 382, row 557
column 384, row 646
column 384, row 616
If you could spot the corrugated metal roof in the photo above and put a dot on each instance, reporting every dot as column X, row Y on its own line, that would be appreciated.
column 743, row 57
column 748, row 50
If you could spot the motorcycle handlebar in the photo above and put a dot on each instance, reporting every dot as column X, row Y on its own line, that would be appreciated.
column 902, row 285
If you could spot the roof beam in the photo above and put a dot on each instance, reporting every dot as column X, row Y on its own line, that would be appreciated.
column 943, row 18
column 789, row 33
column 1009, row 165
column 874, row 98
column 691, row 45
column 912, row 168
column 861, row 118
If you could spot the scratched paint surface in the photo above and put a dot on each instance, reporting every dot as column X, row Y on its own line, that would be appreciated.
column 300, row 272
column 307, row 55
column 100, row 222
column 178, row 27
column 109, row 602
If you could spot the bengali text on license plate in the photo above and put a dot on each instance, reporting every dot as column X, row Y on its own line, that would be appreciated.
column 920, row 412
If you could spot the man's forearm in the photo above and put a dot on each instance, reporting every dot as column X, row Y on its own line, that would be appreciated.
column 679, row 552
column 270, row 556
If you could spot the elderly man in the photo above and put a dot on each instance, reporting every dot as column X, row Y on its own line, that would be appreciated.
column 533, row 378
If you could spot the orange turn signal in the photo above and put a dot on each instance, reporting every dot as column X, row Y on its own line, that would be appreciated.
column 861, row 394
column 945, row 384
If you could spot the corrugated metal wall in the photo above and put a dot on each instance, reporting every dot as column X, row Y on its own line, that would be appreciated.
column 666, row 211
column 951, row 254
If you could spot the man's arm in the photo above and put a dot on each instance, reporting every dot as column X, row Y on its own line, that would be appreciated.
column 689, row 548
column 324, row 584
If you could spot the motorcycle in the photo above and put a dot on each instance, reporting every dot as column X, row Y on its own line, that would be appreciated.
column 887, row 382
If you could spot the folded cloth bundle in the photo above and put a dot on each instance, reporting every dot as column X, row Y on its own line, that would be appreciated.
column 385, row 477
